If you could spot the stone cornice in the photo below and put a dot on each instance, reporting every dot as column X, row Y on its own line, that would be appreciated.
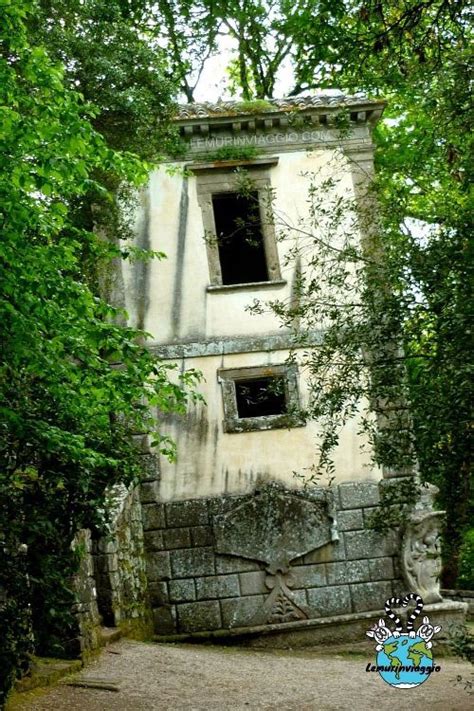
column 236, row 344
column 279, row 125
column 227, row 165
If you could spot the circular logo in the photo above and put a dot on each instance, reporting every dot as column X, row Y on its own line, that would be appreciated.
column 404, row 661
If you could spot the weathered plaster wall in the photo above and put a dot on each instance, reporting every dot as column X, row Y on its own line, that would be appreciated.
column 211, row 462
column 179, row 307
column 175, row 305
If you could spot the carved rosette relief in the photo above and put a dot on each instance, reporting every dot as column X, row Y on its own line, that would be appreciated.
column 275, row 526
column 421, row 554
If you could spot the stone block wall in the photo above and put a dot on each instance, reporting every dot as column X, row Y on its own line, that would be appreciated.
column 85, row 608
column 195, row 587
column 466, row 596
column 111, row 583
column 119, row 565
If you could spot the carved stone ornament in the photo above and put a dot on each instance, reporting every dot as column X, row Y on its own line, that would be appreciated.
column 421, row 554
column 280, row 605
column 276, row 525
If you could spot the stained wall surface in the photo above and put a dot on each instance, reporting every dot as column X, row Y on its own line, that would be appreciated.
column 199, row 326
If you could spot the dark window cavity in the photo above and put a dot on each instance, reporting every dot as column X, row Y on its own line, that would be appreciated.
column 240, row 238
column 260, row 397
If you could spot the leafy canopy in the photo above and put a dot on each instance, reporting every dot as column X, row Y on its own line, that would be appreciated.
column 75, row 385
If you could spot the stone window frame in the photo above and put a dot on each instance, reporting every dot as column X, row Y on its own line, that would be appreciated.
column 232, row 423
column 212, row 179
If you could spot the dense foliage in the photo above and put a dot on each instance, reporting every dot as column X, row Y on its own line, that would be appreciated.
column 108, row 56
column 75, row 384
column 418, row 56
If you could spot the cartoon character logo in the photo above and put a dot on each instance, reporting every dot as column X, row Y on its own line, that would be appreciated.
column 404, row 659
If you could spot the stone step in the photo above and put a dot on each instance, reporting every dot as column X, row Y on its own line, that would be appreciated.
column 107, row 635
column 46, row 671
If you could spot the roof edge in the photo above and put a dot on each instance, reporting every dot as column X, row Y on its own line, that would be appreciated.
column 271, row 108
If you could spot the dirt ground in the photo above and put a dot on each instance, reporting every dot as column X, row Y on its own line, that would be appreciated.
column 197, row 678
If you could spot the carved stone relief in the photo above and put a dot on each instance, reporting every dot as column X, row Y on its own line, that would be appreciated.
column 280, row 605
column 275, row 526
column 421, row 554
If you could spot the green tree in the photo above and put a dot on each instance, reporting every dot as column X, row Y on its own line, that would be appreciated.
column 188, row 29
column 418, row 56
column 266, row 35
column 75, row 385
column 108, row 54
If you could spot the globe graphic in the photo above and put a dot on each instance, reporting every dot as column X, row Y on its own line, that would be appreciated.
column 400, row 653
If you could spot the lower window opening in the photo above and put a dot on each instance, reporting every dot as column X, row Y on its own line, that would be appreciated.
column 259, row 397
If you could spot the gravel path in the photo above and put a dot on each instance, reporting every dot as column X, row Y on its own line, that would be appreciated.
column 197, row 678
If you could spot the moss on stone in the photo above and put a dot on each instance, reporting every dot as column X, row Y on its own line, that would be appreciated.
column 233, row 153
column 253, row 107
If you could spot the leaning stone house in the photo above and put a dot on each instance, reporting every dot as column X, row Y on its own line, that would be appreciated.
column 226, row 541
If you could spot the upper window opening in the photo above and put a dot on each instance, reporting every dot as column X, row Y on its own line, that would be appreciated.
column 260, row 397
column 239, row 232
column 240, row 238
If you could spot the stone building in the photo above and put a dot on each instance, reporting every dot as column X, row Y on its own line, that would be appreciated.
column 235, row 545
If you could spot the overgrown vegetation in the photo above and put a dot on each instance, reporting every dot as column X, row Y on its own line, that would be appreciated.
column 233, row 153
column 461, row 642
column 466, row 561
column 257, row 106
column 396, row 502
column 75, row 384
